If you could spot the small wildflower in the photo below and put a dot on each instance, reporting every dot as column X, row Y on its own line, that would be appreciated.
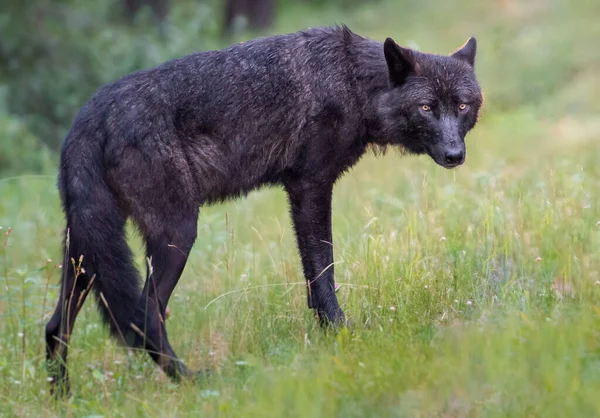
column 443, row 239
column 392, row 308
column 597, row 283
column 49, row 260
column 597, row 224
column 455, row 300
column 379, row 306
column 426, row 287
column 20, row 335
column 469, row 302
column 538, row 259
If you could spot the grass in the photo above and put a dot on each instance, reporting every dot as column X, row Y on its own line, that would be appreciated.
column 475, row 292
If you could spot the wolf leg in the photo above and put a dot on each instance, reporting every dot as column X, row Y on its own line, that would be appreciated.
column 167, row 249
column 74, row 290
column 310, row 204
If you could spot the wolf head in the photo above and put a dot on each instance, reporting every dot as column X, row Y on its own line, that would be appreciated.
column 431, row 102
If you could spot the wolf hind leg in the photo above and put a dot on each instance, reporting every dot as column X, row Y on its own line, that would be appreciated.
column 74, row 290
column 168, row 244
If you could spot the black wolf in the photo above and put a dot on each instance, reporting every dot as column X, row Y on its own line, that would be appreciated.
column 295, row 110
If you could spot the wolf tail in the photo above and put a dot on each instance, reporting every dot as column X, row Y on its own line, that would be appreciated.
column 96, row 254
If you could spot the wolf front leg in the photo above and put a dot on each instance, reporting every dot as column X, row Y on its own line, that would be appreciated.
column 310, row 204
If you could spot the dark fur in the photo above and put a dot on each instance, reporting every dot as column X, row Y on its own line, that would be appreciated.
column 294, row 110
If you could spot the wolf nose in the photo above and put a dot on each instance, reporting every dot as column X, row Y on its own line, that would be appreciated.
column 454, row 157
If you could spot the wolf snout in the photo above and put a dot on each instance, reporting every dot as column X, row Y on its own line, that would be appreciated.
column 454, row 157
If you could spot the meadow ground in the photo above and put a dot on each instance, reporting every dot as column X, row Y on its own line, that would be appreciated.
column 474, row 292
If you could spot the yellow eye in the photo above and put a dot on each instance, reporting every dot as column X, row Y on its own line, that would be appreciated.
column 462, row 106
column 425, row 108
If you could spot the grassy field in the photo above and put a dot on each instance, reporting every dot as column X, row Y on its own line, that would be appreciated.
column 474, row 292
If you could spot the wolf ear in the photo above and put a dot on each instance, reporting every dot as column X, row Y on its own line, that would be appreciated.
column 400, row 61
column 467, row 52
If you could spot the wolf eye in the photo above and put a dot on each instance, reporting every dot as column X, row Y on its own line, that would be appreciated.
column 425, row 108
column 462, row 106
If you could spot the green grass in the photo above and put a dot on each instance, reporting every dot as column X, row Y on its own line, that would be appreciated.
column 474, row 292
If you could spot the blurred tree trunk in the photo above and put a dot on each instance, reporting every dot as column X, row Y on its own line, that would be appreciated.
column 159, row 8
column 253, row 14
